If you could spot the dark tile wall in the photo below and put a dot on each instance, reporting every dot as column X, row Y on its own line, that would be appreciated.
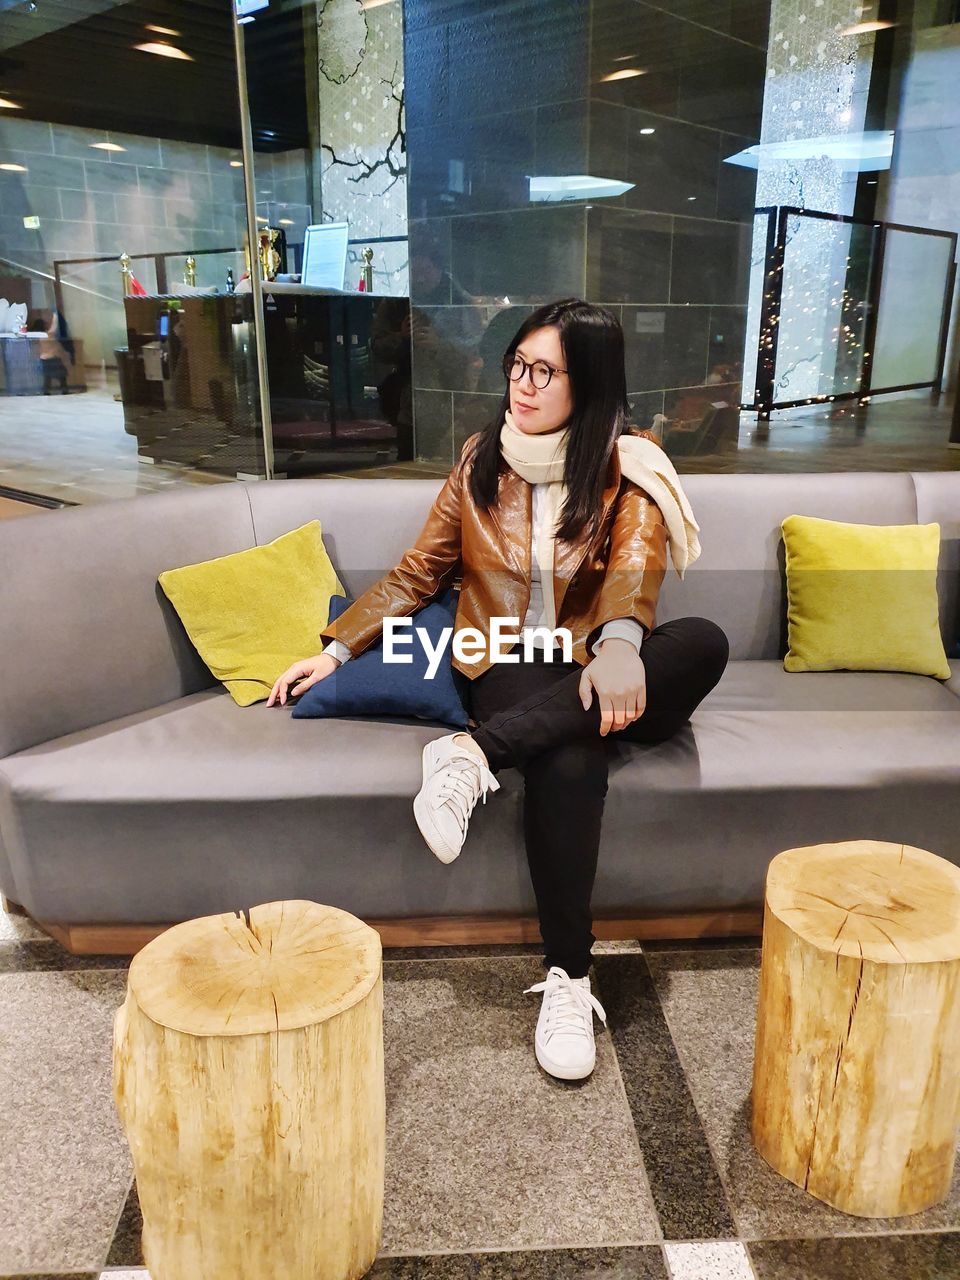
column 513, row 89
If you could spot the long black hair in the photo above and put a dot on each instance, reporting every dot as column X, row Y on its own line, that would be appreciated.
column 592, row 342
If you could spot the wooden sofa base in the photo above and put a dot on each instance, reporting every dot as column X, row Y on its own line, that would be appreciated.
column 442, row 931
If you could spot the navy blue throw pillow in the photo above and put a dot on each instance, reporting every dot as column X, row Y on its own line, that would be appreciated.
column 369, row 686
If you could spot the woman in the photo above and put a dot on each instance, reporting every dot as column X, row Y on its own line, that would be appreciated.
column 551, row 530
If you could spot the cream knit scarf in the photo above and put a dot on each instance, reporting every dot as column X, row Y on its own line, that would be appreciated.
column 539, row 459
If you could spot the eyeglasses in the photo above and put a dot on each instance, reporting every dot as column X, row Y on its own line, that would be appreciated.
column 514, row 368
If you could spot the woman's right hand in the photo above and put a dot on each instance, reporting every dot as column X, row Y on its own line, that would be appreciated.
column 306, row 673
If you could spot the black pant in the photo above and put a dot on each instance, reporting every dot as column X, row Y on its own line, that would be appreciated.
column 530, row 717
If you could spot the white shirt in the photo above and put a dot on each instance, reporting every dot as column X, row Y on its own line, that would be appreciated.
column 617, row 628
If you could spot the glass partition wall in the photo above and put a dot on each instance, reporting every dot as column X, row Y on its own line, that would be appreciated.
column 255, row 238
column 328, row 169
column 128, row 348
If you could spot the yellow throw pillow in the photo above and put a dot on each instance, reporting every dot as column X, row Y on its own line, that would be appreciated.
column 862, row 597
column 252, row 614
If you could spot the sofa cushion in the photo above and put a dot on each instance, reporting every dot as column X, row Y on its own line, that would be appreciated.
column 862, row 597
column 254, row 613
column 201, row 806
column 953, row 684
column 368, row 685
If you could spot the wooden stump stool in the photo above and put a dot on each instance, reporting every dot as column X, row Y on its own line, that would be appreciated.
column 855, row 1081
column 248, row 1074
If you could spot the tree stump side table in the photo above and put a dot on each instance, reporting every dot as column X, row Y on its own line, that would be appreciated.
column 248, row 1074
column 856, row 1079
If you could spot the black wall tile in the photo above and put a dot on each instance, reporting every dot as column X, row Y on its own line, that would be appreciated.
column 561, row 139
column 535, row 255
column 750, row 21
column 472, row 413
column 447, row 341
column 711, row 261
column 644, row 405
column 628, row 255
column 721, row 81
column 429, row 250
column 622, row 27
column 536, row 52
column 433, row 419
column 715, row 14
column 666, row 346
column 673, row 169
column 725, row 346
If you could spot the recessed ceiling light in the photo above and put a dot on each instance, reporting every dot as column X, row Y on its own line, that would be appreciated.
column 260, row 219
column 14, row 168
column 691, row 197
column 625, row 57
column 286, row 222
column 648, row 130
column 162, row 31
column 163, row 50
column 626, row 74
column 236, row 164
column 862, row 28
column 7, row 105
column 107, row 146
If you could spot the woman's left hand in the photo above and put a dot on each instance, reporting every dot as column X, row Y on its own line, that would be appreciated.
column 617, row 673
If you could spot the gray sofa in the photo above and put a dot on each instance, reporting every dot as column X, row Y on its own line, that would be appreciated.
column 134, row 791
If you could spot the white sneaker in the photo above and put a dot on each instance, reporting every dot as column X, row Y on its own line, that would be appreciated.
column 564, row 1040
column 454, row 778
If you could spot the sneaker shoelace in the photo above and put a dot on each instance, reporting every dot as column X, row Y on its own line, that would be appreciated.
column 466, row 780
column 569, row 1005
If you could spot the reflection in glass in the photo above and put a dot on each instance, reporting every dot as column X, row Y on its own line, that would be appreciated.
column 916, row 268
column 329, row 148
column 823, row 313
column 120, row 150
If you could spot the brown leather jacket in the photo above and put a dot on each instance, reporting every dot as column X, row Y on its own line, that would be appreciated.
column 615, row 574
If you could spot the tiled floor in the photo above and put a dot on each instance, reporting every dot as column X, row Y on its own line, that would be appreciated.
column 494, row 1170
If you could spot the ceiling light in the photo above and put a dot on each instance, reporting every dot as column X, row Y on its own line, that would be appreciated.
column 163, row 50
column 107, row 146
column 260, row 219
column 648, row 130
column 579, row 186
column 242, row 22
column 162, row 31
column 7, row 105
column 236, row 164
column 625, row 57
column 286, row 222
column 862, row 28
column 871, row 149
column 626, row 74
column 14, row 168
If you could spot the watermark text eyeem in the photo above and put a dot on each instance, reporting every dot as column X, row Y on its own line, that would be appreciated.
column 470, row 644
